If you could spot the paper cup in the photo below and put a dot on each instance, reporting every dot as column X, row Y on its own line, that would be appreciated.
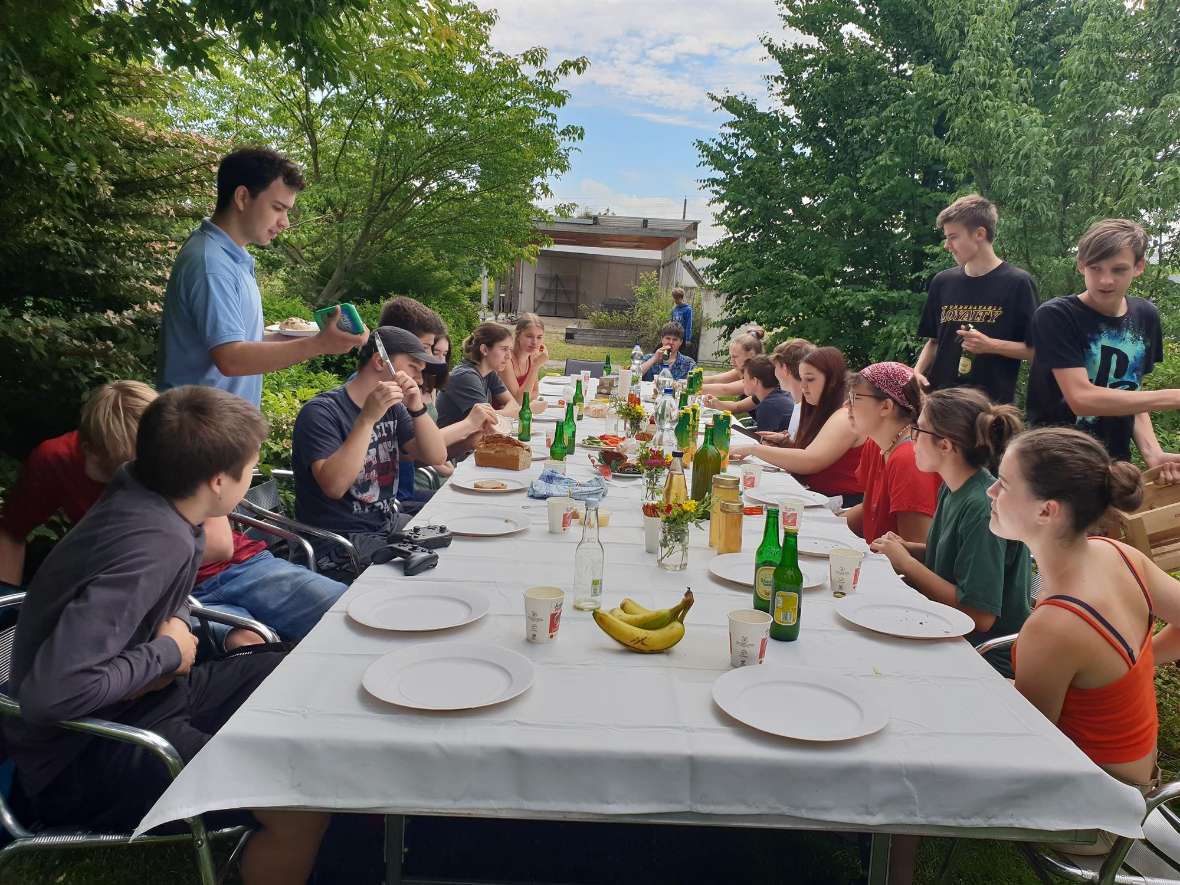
column 751, row 474
column 651, row 534
column 549, row 433
column 844, row 570
column 791, row 512
column 585, row 380
column 559, row 514
column 542, row 613
column 624, row 382
column 748, row 631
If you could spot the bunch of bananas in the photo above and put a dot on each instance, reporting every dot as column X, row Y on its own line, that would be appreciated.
column 643, row 630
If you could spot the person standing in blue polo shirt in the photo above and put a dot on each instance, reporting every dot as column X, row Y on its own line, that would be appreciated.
column 682, row 313
column 213, row 328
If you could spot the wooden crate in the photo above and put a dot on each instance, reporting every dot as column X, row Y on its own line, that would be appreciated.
column 1155, row 527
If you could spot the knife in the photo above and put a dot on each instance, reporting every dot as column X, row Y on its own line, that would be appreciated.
column 384, row 355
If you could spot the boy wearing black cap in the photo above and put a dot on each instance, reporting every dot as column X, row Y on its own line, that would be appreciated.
column 348, row 441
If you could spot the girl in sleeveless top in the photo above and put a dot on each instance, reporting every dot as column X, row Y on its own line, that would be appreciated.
column 826, row 450
column 1086, row 654
column 741, row 348
column 528, row 358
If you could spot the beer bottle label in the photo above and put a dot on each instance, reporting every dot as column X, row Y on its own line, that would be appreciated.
column 764, row 582
column 786, row 608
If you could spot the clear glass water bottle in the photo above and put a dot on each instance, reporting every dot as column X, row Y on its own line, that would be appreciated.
column 589, row 562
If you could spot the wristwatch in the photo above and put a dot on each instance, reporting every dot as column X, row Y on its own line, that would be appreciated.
column 418, row 414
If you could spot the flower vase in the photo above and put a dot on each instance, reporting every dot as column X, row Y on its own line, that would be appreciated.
column 633, row 426
column 673, row 553
column 653, row 488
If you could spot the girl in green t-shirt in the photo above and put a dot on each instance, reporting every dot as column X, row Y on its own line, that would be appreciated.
column 958, row 435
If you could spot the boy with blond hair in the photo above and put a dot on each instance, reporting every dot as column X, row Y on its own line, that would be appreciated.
column 1093, row 350
column 980, row 309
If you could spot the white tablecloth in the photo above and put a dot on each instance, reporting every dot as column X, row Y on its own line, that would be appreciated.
column 604, row 731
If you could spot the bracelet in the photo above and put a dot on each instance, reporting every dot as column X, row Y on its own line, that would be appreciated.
column 417, row 414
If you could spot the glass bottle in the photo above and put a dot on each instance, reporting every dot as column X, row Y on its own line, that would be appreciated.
column 589, row 562
column 560, row 448
column 966, row 357
column 721, row 429
column 675, row 488
column 723, row 489
column 706, row 464
column 525, row 419
column 606, row 366
column 766, row 559
column 571, row 429
column 579, row 400
column 786, row 603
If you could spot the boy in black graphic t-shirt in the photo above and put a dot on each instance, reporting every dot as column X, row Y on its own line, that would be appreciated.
column 1094, row 349
column 978, row 316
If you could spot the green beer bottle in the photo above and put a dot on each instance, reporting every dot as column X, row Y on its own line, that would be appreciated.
column 571, row 429
column 526, row 420
column 766, row 559
column 786, row 601
column 706, row 464
column 684, row 398
column 606, row 367
column 558, row 450
column 579, row 399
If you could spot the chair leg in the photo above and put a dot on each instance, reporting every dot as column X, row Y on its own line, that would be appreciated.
column 234, row 855
column 1031, row 857
column 205, row 867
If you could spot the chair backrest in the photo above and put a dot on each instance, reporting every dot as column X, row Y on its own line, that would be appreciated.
column 573, row 367
column 6, row 639
column 266, row 496
column 1155, row 527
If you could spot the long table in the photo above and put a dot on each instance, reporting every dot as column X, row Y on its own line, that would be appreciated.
column 606, row 734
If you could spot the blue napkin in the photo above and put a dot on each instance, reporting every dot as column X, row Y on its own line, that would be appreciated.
column 551, row 484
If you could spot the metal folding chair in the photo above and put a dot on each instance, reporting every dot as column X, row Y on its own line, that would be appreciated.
column 27, row 839
column 573, row 367
column 1152, row 860
column 263, row 503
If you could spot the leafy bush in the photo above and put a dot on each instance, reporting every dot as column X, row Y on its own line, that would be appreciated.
column 652, row 308
column 283, row 394
column 49, row 364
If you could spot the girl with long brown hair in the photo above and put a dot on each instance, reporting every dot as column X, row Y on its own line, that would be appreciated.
column 826, row 450
column 526, row 361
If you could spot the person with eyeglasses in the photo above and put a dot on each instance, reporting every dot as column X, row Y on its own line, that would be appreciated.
column 883, row 401
column 960, row 437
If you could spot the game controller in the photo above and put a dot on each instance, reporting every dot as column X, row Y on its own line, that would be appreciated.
column 415, row 559
column 430, row 536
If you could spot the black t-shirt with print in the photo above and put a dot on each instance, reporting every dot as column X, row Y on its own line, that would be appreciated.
column 1116, row 352
column 1000, row 304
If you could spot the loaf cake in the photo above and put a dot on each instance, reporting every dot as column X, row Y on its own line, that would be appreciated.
column 498, row 450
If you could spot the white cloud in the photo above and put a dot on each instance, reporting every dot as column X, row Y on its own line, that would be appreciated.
column 598, row 196
column 648, row 56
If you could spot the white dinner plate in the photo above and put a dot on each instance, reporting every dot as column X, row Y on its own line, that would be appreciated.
column 800, row 703
column 549, row 416
column 912, row 619
column 739, row 568
column 820, row 545
column 468, row 483
column 419, row 605
column 293, row 333
column 763, row 494
column 487, row 525
column 448, row 676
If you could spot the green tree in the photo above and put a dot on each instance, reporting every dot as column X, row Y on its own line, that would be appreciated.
column 882, row 112
column 437, row 150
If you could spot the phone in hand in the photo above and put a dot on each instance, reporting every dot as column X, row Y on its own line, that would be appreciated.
column 350, row 321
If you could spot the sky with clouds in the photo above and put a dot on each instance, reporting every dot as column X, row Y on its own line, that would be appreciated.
column 643, row 100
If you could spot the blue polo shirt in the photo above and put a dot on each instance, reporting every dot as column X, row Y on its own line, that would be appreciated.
column 212, row 299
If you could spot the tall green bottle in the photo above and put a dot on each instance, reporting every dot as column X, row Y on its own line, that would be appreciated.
column 525, row 419
column 706, row 464
column 579, row 399
column 766, row 559
column 684, row 399
column 558, row 450
column 786, row 603
column 606, row 367
column 571, row 429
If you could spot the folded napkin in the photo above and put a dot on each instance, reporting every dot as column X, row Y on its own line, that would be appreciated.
column 551, row 484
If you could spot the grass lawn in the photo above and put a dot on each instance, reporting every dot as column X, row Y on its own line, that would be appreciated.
column 560, row 351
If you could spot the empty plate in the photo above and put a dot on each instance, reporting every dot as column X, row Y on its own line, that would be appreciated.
column 739, row 568
column 764, row 494
column 820, row 545
column 800, row 703
column 487, row 525
column 448, row 676
column 911, row 619
column 419, row 605
column 488, row 484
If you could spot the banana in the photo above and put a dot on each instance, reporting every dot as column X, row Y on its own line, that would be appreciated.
column 647, row 640
column 631, row 607
column 631, row 612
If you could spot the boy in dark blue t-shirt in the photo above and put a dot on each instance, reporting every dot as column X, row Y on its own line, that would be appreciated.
column 773, row 405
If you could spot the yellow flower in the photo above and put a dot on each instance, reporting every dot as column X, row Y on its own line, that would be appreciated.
column 690, row 506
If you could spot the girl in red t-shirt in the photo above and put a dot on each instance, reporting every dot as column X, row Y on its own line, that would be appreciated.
column 883, row 401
